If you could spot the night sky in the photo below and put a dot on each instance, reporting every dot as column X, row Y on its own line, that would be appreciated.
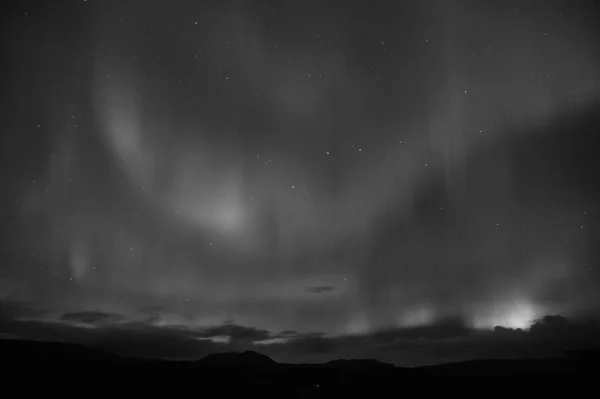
column 408, row 181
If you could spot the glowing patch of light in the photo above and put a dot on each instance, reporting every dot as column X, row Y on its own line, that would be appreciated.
column 272, row 341
column 518, row 314
column 221, row 213
column 217, row 339
column 359, row 324
column 79, row 324
column 416, row 317
column 228, row 216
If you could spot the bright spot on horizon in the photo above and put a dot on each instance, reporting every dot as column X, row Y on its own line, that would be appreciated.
column 518, row 314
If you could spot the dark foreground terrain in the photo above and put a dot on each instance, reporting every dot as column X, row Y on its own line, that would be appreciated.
column 54, row 367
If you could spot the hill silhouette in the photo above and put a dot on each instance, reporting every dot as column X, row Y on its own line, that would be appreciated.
column 67, row 355
column 232, row 359
column 360, row 364
column 251, row 373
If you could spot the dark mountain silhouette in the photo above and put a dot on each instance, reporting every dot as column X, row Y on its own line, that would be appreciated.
column 56, row 367
column 247, row 358
column 364, row 364
column 65, row 355
column 18, row 351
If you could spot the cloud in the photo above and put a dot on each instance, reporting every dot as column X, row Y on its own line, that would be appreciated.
column 559, row 328
column 320, row 289
column 451, row 328
column 15, row 309
column 444, row 341
column 90, row 317
column 236, row 333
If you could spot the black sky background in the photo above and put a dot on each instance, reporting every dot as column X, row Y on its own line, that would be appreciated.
column 310, row 179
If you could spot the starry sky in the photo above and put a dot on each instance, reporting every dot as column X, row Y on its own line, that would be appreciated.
column 411, row 181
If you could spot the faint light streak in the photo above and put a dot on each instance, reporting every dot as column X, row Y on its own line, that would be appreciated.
column 217, row 339
column 79, row 258
column 272, row 341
